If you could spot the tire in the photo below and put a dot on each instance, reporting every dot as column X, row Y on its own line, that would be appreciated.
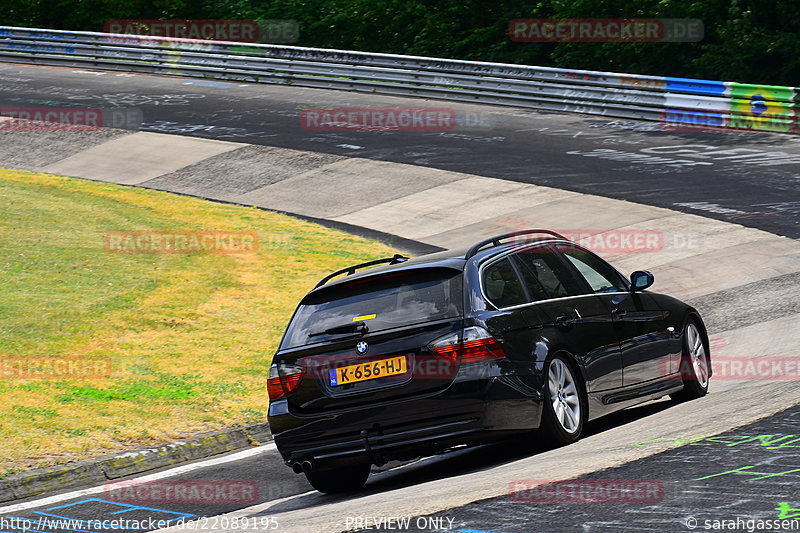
column 339, row 479
column 564, row 405
column 694, row 364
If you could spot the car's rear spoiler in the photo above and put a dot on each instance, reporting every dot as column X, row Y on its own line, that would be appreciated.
column 396, row 258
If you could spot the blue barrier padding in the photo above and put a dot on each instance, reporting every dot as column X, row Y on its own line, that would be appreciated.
column 692, row 86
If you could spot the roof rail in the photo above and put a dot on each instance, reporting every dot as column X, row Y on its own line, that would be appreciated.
column 396, row 258
column 495, row 241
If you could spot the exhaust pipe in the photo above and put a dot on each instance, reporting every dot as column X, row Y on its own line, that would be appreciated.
column 302, row 466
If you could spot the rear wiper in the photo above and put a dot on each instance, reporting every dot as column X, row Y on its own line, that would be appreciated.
column 355, row 327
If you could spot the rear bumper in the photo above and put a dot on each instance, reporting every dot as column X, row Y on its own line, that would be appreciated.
column 467, row 413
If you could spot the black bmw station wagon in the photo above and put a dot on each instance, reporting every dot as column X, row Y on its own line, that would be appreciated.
column 521, row 331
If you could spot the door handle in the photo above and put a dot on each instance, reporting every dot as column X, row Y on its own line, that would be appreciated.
column 618, row 313
column 564, row 320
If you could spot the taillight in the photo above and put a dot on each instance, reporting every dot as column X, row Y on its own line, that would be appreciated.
column 447, row 347
column 281, row 382
column 476, row 345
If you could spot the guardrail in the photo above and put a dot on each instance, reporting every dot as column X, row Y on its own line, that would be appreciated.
column 671, row 101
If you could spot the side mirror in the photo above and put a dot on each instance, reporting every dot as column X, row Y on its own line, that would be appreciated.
column 640, row 280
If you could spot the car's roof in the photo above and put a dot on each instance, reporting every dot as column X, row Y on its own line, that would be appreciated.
column 445, row 259
column 452, row 259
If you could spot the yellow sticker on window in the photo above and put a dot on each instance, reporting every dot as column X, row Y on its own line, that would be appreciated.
column 363, row 317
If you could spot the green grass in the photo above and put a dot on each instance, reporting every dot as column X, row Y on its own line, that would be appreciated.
column 188, row 338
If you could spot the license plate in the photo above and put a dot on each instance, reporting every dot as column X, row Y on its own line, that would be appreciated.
column 371, row 370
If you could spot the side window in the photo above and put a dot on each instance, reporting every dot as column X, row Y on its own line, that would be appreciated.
column 600, row 276
column 545, row 276
column 502, row 286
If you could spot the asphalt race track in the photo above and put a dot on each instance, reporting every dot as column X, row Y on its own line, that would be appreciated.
column 748, row 475
column 748, row 178
column 731, row 454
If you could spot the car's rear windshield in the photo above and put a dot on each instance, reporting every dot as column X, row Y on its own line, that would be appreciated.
column 381, row 302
